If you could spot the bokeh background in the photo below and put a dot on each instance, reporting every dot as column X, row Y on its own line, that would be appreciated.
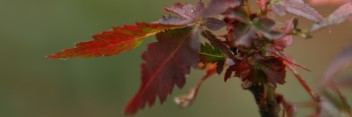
column 34, row 86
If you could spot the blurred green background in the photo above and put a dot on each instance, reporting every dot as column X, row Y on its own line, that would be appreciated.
column 34, row 86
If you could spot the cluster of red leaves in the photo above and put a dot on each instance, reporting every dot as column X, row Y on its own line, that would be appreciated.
column 250, row 50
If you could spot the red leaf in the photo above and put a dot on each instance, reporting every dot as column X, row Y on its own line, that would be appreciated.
column 242, row 69
column 282, row 43
column 287, row 59
column 173, row 20
column 187, row 11
column 297, row 7
column 115, row 41
column 274, row 68
column 168, row 62
column 220, row 6
column 302, row 82
column 220, row 66
column 214, row 24
column 337, row 17
column 229, row 72
column 244, row 35
column 266, row 27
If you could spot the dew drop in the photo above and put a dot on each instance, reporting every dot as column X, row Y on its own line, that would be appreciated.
column 192, row 11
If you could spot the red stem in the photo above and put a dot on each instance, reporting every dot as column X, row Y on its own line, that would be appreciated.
column 303, row 82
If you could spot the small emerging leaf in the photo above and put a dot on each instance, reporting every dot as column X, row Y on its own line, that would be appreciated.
column 217, row 43
column 186, row 100
column 282, row 43
column 211, row 54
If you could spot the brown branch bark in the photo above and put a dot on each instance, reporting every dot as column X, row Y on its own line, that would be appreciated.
column 265, row 98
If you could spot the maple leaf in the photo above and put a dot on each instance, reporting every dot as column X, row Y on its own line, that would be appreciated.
column 128, row 37
column 220, row 6
column 187, row 11
column 242, row 70
column 174, row 20
column 274, row 68
column 115, row 41
column 237, row 14
column 338, row 16
column 167, row 63
column 214, row 24
column 297, row 7
column 265, row 26
column 243, row 35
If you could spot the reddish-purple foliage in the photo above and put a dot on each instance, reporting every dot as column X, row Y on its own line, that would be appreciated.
column 251, row 49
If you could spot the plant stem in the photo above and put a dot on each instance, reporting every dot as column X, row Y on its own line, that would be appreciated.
column 303, row 83
column 266, row 99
